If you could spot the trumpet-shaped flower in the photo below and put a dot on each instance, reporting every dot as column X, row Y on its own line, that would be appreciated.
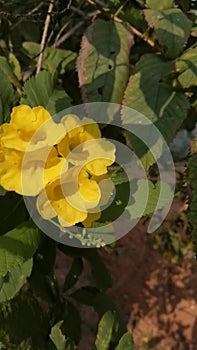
column 35, row 154
column 74, row 198
column 28, row 158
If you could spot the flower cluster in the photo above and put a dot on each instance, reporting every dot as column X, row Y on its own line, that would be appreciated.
column 64, row 164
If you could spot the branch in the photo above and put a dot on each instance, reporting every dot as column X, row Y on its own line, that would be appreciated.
column 106, row 12
column 44, row 36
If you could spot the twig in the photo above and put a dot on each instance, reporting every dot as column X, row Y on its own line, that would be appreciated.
column 75, row 28
column 44, row 35
column 69, row 33
column 60, row 32
column 134, row 30
column 28, row 14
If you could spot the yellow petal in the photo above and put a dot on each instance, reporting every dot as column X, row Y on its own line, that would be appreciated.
column 28, row 119
column 30, row 124
column 95, row 155
column 89, row 190
column 91, row 218
column 79, row 131
column 10, row 170
column 67, row 214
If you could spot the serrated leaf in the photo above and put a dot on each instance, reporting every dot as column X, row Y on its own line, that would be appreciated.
column 186, row 67
column 17, row 246
column 159, row 5
column 105, row 329
column 148, row 94
column 57, row 337
column 126, row 342
column 172, row 28
column 7, row 98
column 14, row 280
column 41, row 90
column 53, row 58
column 103, row 62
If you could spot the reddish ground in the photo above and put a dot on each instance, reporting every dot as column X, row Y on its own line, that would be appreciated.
column 158, row 298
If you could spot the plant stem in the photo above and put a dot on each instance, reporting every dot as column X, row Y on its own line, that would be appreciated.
column 44, row 36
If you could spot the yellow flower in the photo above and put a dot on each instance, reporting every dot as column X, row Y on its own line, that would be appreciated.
column 28, row 159
column 76, row 196
column 35, row 154
column 30, row 124
column 77, row 132
column 71, row 198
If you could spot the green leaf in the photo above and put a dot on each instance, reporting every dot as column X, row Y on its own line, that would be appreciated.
column 7, row 98
column 105, row 329
column 12, row 282
column 103, row 62
column 99, row 271
column 13, row 211
column 74, row 274
column 186, row 68
column 41, row 90
column 172, row 29
column 53, row 59
column 16, row 68
column 153, row 196
column 193, row 18
column 126, row 342
column 22, row 322
column 185, row 5
column 8, row 68
column 102, row 303
column 2, row 191
column 159, row 5
column 148, row 94
column 17, row 246
column 57, row 337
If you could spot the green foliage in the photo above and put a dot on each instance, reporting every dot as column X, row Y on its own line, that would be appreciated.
column 140, row 54
column 186, row 69
column 42, row 90
column 12, row 282
column 103, row 63
column 54, row 59
column 159, row 5
column 7, row 97
column 57, row 337
column 172, row 29
column 126, row 342
column 150, row 95
column 13, row 211
column 104, row 334
column 23, row 324
column 17, row 246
